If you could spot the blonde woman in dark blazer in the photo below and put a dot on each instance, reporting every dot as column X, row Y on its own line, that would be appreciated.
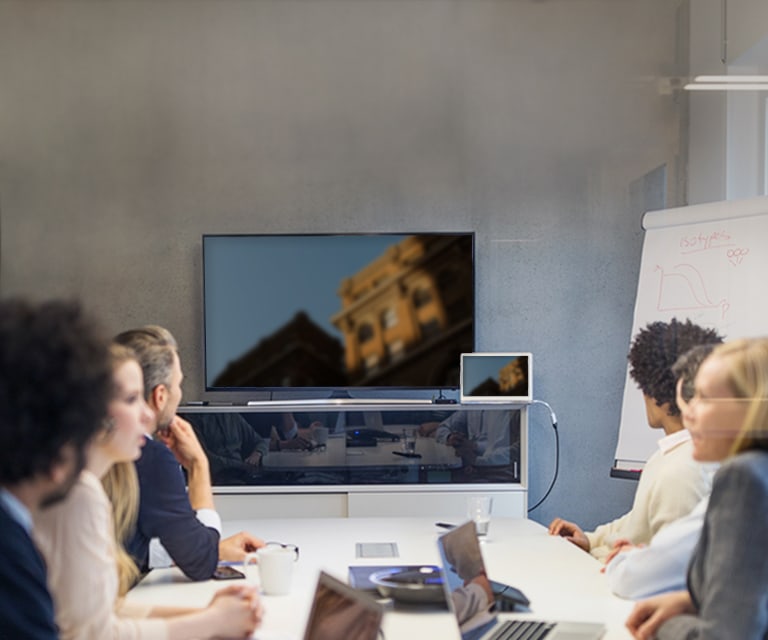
column 727, row 595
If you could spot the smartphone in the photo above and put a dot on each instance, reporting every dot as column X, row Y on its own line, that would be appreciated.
column 223, row 572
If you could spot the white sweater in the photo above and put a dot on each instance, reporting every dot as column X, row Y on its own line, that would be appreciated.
column 671, row 485
column 76, row 540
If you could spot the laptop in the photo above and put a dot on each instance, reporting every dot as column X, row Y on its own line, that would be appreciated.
column 339, row 611
column 468, row 592
column 496, row 377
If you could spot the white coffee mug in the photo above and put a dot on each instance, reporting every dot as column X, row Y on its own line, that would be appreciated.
column 275, row 562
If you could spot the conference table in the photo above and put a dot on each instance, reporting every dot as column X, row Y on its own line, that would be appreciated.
column 561, row 581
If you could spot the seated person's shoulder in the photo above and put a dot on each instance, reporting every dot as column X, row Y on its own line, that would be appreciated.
column 748, row 467
column 14, row 537
column 756, row 459
column 152, row 447
column 85, row 491
column 680, row 461
column 156, row 459
column 683, row 479
column 156, row 448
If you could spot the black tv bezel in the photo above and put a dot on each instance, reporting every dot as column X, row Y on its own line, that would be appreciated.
column 320, row 392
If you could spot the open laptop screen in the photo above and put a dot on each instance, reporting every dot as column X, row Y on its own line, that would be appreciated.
column 467, row 587
column 471, row 595
column 339, row 611
column 496, row 377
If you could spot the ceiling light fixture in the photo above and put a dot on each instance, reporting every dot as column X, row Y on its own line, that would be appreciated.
column 726, row 86
column 736, row 79
column 728, row 83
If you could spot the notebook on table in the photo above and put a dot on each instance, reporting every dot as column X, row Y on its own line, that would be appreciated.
column 469, row 594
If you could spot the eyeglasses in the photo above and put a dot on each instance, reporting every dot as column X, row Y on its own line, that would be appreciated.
column 289, row 547
column 697, row 398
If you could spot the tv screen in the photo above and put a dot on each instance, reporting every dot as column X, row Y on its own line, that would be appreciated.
column 344, row 311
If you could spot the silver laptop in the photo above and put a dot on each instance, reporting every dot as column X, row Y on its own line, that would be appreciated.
column 468, row 592
column 496, row 377
column 339, row 611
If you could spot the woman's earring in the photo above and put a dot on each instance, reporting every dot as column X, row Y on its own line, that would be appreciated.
column 108, row 424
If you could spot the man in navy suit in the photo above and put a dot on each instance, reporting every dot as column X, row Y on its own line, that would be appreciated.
column 176, row 524
column 54, row 387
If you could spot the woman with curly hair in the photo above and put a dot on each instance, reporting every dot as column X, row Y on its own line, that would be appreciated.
column 672, row 483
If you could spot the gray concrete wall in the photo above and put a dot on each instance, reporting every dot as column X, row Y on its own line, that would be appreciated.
column 746, row 26
column 128, row 129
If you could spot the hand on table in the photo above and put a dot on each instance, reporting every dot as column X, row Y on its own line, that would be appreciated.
column 456, row 439
column 428, row 429
column 570, row 531
column 295, row 444
column 648, row 615
column 623, row 544
column 254, row 459
column 234, row 548
column 238, row 609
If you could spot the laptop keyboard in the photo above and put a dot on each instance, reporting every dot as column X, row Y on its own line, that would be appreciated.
column 522, row 630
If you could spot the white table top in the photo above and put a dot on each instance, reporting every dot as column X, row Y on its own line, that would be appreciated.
column 561, row 581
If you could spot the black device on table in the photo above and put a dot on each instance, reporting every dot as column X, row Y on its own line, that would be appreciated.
column 225, row 572
column 508, row 598
column 407, row 455
column 369, row 437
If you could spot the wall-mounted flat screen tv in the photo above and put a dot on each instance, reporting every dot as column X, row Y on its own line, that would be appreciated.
column 337, row 311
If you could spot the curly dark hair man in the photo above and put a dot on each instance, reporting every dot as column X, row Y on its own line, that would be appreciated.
column 54, row 389
column 655, row 349
column 672, row 482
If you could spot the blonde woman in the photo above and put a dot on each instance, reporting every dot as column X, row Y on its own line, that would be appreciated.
column 727, row 595
column 89, row 571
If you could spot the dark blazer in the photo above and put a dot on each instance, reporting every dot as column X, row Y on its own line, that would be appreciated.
column 165, row 513
column 26, row 607
column 728, row 574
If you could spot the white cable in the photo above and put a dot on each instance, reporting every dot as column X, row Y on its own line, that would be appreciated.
column 553, row 418
column 552, row 415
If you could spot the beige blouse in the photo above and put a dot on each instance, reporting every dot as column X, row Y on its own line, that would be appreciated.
column 76, row 540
